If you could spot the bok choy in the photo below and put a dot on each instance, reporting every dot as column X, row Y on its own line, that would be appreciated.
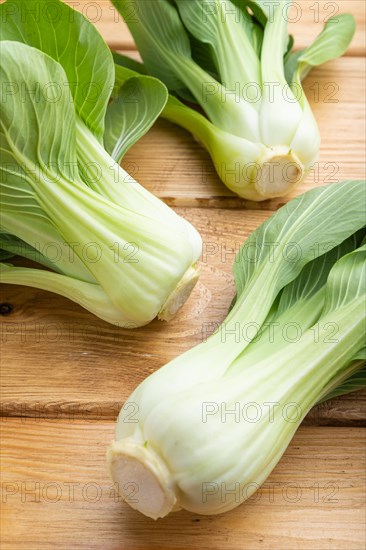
column 210, row 426
column 112, row 246
column 234, row 59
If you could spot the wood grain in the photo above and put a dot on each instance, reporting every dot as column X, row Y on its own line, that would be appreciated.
column 59, row 360
column 56, row 494
column 306, row 19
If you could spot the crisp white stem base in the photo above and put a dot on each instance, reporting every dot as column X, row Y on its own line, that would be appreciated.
column 142, row 478
column 280, row 171
column 179, row 295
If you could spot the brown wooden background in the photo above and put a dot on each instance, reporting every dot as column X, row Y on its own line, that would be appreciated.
column 64, row 373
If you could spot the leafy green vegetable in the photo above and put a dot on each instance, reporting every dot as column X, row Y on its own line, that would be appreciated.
column 298, row 307
column 129, row 63
column 304, row 267
column 64, row 198
column 132, row 110
column 332, row 42
column 234, row 59
column 54, row 28
column 91, row 82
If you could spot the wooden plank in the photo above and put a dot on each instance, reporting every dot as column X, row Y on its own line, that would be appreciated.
column 59, row 360
column 306, row 19
column 177, row 169
column 56, row 494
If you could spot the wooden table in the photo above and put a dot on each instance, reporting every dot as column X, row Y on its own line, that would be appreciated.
column 65, row 374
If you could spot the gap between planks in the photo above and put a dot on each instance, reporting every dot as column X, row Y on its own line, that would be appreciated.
column 348, row 410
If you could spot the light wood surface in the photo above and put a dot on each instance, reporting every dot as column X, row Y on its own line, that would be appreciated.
column 65, row 374
column 56, row 494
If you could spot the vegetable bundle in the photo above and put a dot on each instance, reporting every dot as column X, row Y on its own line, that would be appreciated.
column 234, row 59
column 112, row 246
column 211, row 425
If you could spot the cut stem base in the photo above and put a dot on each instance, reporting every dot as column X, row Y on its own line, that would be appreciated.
column 179, row 295
column 142, row 478
column 279, row 172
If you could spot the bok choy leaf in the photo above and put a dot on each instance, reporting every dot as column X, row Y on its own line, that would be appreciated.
column 61, row 190
column 235, row 59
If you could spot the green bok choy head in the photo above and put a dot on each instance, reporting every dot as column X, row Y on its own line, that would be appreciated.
column 112, row 246
column 234, row 59
column 211, row 425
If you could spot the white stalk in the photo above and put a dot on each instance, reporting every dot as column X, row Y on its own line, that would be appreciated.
column 189, row 452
